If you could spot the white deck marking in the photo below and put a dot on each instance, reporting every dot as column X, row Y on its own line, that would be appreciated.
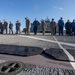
column 71, row 58
column 53, row 41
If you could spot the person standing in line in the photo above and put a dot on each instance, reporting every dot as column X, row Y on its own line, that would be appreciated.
column 27, row 26
column 52, row 26
column 68, row 27
column 55, row 27
column 61, row 25
column 43, row 26
column 36, row 24
column 1, row 27
column 73, row 27
column 5, row 26
column 10, row 27
column 18, row 24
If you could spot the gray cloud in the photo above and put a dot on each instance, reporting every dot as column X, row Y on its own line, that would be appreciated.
column 59, row 8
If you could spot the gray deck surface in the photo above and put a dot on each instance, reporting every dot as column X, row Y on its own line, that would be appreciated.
column 41, row 64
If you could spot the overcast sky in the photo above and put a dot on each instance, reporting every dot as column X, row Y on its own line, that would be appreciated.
column 13, row 10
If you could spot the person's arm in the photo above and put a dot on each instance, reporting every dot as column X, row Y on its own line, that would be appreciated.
column 29, row 23
column 45, row 25
column 71, row 25
column 6, row 23
column 54, row 24
column 19, row 24
column 63, row 23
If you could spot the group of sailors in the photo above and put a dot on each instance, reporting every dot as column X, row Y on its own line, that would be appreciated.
column 4, row 27
column 69, row 26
